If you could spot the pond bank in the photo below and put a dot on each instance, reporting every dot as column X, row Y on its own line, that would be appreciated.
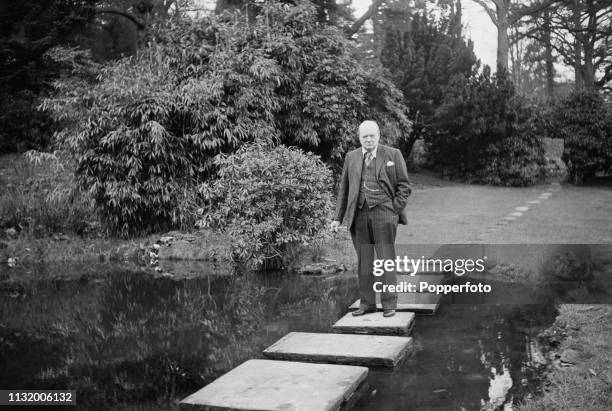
column 177, row 256
column 580, row 373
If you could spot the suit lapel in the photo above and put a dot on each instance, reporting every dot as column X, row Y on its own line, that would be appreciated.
column 380, row 160
column 357, row 165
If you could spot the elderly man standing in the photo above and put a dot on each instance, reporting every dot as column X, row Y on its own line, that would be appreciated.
column 374, row 190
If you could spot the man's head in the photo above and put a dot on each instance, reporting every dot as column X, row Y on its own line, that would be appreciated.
column 369, row 134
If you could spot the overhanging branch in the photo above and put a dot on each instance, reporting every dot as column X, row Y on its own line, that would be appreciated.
column 128, row 16
column 529, row 10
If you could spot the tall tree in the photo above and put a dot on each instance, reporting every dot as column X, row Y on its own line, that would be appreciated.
column 505, row 13
column 548, row 52
column 425, row 51
column 529, row 68
column 532, row 55
column 580, row 33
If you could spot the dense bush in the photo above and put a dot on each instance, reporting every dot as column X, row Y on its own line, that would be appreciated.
column 39, row 198
column 585, row 125
column 268, row 200
column 147, row 132
column 484, row 132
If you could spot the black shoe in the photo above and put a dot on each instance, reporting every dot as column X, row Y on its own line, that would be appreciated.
column 388, row 313
column 362, row 311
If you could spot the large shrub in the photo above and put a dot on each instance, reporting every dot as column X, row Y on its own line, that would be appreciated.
column 268, row 200
column 147, row 132
column 485, row 133
column 585, row 125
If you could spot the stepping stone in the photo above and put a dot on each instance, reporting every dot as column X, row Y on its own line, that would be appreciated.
column 370, row 350
column 279, row 385
column 400, row 324
column 420, row 303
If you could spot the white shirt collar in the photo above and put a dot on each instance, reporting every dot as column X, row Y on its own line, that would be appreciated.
column 364, row 151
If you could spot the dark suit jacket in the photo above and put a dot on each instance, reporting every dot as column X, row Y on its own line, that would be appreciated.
column 392, row 176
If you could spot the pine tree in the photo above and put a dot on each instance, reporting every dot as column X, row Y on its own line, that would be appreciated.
column 424, row 54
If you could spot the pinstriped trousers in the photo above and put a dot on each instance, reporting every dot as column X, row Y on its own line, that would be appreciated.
column 374, row 230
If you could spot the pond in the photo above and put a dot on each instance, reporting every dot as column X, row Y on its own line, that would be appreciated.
column 125, row 339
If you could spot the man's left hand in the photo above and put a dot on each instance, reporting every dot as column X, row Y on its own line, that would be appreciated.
column 334, row 226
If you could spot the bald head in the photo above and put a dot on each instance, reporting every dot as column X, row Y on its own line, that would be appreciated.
column 369, row 134
column 369, row 127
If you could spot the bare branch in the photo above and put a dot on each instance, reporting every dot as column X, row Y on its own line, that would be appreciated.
column 489, row 11
column 357, row 24
column 529, row 10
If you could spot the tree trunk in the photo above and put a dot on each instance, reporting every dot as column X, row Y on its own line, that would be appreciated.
column 515, row 59
column 548, row 55
column 589, row 46
column 578, row 73
column 503, row 44
column 588, row 75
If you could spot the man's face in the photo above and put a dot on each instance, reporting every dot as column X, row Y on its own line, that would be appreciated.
column 369, row 138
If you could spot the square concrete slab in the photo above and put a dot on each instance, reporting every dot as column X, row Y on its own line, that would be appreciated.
column 279, row 385
column 374, row 323
column 372, row 350
column 420, row 303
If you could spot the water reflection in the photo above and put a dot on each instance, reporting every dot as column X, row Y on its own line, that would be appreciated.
column 467, row 357
column 133, row 339
column 499, row 386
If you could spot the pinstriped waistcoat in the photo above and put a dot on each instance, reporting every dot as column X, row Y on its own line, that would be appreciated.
column 374, row 194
